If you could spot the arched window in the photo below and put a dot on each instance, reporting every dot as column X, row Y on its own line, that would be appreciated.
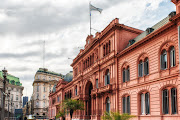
column 107, row 105
column 164, row 60
column 126, row 104
column 146, row 66
column 126, row 74
column 169, row 94
column 172, row 57
column 145, row 105
column 107, row 77
column 140, row 68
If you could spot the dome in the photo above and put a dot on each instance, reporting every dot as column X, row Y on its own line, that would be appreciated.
column 68, row 77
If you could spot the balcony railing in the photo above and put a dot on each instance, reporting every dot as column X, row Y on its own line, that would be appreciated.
column 107, row 88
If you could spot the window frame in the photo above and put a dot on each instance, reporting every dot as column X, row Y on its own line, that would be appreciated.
column 107, row 77
column 163, row 60
column 145, row 103
column 126, row 101
column 172, row 55
column 167, row 104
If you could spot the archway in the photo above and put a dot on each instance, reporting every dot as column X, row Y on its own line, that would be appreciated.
column 88, row 89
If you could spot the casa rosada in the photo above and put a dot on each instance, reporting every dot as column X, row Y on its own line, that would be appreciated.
column 127, row 70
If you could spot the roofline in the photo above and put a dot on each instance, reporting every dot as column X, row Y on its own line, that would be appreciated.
column 113, row 25
column 158, row 31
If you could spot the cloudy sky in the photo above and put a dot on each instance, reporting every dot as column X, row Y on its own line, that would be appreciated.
column 64, row 25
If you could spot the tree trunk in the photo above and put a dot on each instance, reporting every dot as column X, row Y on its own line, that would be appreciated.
column 71, row 113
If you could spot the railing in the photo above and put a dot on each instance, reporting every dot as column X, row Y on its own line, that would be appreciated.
column 106, row 88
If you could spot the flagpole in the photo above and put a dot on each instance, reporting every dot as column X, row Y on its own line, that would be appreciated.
column 90, row 15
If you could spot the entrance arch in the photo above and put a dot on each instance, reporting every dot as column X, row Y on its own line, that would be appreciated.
column 88, row 89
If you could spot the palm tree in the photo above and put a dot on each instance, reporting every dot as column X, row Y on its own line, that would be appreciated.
column 116, row 116
column 72, row 105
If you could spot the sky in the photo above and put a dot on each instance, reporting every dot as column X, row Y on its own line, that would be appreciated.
column 64, row 25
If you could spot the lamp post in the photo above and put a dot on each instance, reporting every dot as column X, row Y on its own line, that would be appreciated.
column 8, row 95
column 4, row 87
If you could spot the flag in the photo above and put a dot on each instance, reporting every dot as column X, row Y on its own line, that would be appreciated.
column 95, row 8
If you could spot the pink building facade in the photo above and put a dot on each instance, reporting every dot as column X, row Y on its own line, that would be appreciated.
column 127, row 70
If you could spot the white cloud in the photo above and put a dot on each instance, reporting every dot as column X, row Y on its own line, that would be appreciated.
column 64, row 24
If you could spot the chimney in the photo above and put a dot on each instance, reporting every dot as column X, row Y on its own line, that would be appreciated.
column 177, row 3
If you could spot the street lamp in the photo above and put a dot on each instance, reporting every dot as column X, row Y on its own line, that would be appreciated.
column 8, row 95
column 4, row 87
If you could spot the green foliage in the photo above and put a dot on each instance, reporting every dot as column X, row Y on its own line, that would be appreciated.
column 116, row 116
column 74, row 105
column 70, row 105
column 61, row 113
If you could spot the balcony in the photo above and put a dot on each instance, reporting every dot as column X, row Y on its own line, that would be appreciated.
column 94, row 91
column 79, row 96
column 104, row 89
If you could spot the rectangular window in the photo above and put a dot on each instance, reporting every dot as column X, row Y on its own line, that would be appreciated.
column 124, row 104
column 105, row 79
column 147, row 103
column 140, row 69
column 165, row 102
column 128, row 104
column 173, row 101
column 96, row 83
column 164, row 60
column 16, row 97
column 124, row 74
column 108, row 78
column 76, row 91
column 128, row 74
column 146, row 67
column 142, row 104
column 44, row 89
column 12, row 97
column 37, row 88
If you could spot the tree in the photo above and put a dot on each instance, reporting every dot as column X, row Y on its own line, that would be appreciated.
column 116, row 116
column 61, row 113
column 71, row 106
